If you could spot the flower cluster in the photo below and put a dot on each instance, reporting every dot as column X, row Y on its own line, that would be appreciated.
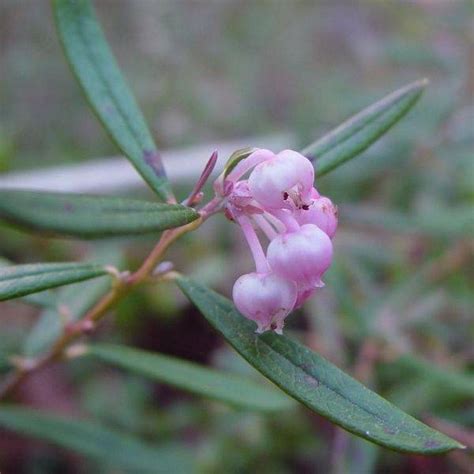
column 279, row 198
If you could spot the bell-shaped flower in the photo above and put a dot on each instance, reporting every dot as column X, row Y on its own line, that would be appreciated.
column 321, row 212
column 304, row 293
column 265, row 298
column 283, row 182
column 302, row 255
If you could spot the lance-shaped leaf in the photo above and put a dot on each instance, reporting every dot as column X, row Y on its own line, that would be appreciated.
column 439, row 222
column 459, row 382
column 72, row 302
column 315, row 382
column 89, row 216
column 20, row 280
column 96, row 441
column 359, row 132
column 44, row 299
column 229, row 388
column 96, row 70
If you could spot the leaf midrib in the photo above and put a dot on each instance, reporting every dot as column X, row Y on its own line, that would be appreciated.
column 368, row 122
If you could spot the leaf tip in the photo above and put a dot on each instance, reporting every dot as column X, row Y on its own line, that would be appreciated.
column 457, row 445
column 435, row 446
column 418, row 86
column 424, row 82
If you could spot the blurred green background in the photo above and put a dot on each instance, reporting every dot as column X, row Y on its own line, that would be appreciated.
column 396, row 312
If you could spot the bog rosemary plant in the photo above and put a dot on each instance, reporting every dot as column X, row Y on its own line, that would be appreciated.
column 270, row 195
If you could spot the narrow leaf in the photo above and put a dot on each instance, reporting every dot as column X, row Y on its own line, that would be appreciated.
column 457, row 381
column 359, row 132
column 96, row 441
column 20, row 280
column 96, row 70
column 71, row 304
column 236, row 158
column 457, row 221
column 90, row 216
column 315, row 382
column 225, row 387
column 43, row 299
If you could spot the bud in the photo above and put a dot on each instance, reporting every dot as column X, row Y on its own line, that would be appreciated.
column 284, row 181
column 322, row 212
column 265, row 298
column 302, row 256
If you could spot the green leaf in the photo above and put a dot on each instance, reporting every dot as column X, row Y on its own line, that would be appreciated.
column 90, row 216
column 96, row 441
column 225, row 387
column 315, row 382
column 457, row 221
column 96, row 70
column 43, row 299
column 72, row 302
column 459, row 382
column 236, row 158
column 20, row 280
column 359, row 132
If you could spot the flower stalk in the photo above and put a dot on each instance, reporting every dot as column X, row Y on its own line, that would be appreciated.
column 280, row 198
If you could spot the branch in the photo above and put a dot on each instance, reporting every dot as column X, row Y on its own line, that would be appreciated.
column 124, row 283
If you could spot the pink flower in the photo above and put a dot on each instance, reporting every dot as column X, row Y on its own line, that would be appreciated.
column 302, row 256
column 279, row 199
column 240, row 201
column 304, row 294
column 321, row 212
column 283, row 182
column 265, row 298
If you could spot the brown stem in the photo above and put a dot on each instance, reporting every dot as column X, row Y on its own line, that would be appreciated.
column 87, row 323
column 168, row 237
column 11, row 381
